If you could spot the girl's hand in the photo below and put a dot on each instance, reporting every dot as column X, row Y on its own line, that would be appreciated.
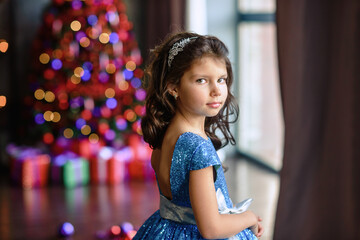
column 258, row 229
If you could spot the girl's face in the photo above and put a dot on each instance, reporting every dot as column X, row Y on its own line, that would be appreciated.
column 203, row 88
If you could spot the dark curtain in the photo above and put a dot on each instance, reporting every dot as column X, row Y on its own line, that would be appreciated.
column 162, row 17
column 319, row 64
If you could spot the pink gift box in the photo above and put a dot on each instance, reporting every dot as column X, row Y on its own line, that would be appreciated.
column 110, row 165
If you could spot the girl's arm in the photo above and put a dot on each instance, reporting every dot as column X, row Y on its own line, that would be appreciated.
column 210, row 222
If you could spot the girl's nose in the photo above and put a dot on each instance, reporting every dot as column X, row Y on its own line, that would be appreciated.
column 215, row 90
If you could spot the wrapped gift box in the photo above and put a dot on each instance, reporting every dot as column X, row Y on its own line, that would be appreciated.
column 29, row 167
column 139, row 168
column 82, row 147
column 70, row 169
column 110, row 165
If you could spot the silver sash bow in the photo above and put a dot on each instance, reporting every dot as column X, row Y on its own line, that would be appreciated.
column 181, row 214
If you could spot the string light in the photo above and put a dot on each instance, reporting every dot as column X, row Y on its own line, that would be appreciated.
column 89, row 62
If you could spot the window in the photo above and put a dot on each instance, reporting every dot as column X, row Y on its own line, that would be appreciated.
column 260, row 126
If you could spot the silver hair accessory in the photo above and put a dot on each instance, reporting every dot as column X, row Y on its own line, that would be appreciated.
column 178, row 47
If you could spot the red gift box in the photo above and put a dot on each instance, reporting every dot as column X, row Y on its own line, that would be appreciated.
column 31, row 171
column 139, row 168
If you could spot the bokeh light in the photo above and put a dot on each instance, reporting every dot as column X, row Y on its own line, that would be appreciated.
column 75, row 80
column 80, row 122
column 92, row 20
column 130, row 115
column 128, row 74
column 48, row 116
column 130, row 65
column 75, row 25
column 113, row 38
column 93, row 138
column 49, row 96
column 123, row 85
column 121, row 123
column 48, row 138
column 39, row 94
column 84, row 42
column 135, row 82
column 68, row 133
column 86, row 114
column 103, row 127
column 111, row 103
column 86, row 130
column 104, row 38
column 86, row 75
column 44, row 58
column 109, row 93
column 140, row 94
column 79, row 72
column 56, row 64
column 103, row 77
column 79, row 35
column 57, row 117
column 39, row 119
column 110, row 134
column 4, row 45
column 110, row 68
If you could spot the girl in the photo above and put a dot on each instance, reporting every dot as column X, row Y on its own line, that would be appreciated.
column 188, row 100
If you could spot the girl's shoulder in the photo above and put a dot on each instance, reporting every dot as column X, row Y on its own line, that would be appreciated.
column 199, row 152
column 192, row 140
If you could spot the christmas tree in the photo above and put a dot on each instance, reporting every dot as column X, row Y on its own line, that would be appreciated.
column 85, row 81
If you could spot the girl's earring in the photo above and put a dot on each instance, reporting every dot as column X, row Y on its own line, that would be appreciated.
column 175, row 96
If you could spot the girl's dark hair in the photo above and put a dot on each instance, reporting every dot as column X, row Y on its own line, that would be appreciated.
column 161, row 106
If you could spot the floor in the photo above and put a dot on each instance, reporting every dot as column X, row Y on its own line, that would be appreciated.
column 37, row 213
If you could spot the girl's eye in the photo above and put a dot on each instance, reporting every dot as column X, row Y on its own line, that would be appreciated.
column 222, row 80
column 201, row 80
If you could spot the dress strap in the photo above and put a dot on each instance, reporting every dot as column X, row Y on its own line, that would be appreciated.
column 176, row 213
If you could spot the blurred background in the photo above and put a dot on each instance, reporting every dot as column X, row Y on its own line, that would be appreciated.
column 71, row 101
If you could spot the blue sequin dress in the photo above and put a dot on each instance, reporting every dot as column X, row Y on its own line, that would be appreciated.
column 192, row 152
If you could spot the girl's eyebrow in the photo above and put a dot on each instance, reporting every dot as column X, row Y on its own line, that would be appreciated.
column 197, row 75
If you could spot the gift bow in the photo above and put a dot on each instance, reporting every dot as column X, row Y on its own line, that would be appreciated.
column 238, row 208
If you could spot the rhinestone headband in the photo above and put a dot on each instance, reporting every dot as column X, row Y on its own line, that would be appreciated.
column 178, row 47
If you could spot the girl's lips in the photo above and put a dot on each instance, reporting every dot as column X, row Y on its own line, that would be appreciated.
column 214, row 104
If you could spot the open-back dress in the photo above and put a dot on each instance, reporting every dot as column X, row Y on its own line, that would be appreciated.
column 175, row 219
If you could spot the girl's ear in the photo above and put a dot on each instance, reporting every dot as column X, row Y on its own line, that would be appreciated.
column 172, row 89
